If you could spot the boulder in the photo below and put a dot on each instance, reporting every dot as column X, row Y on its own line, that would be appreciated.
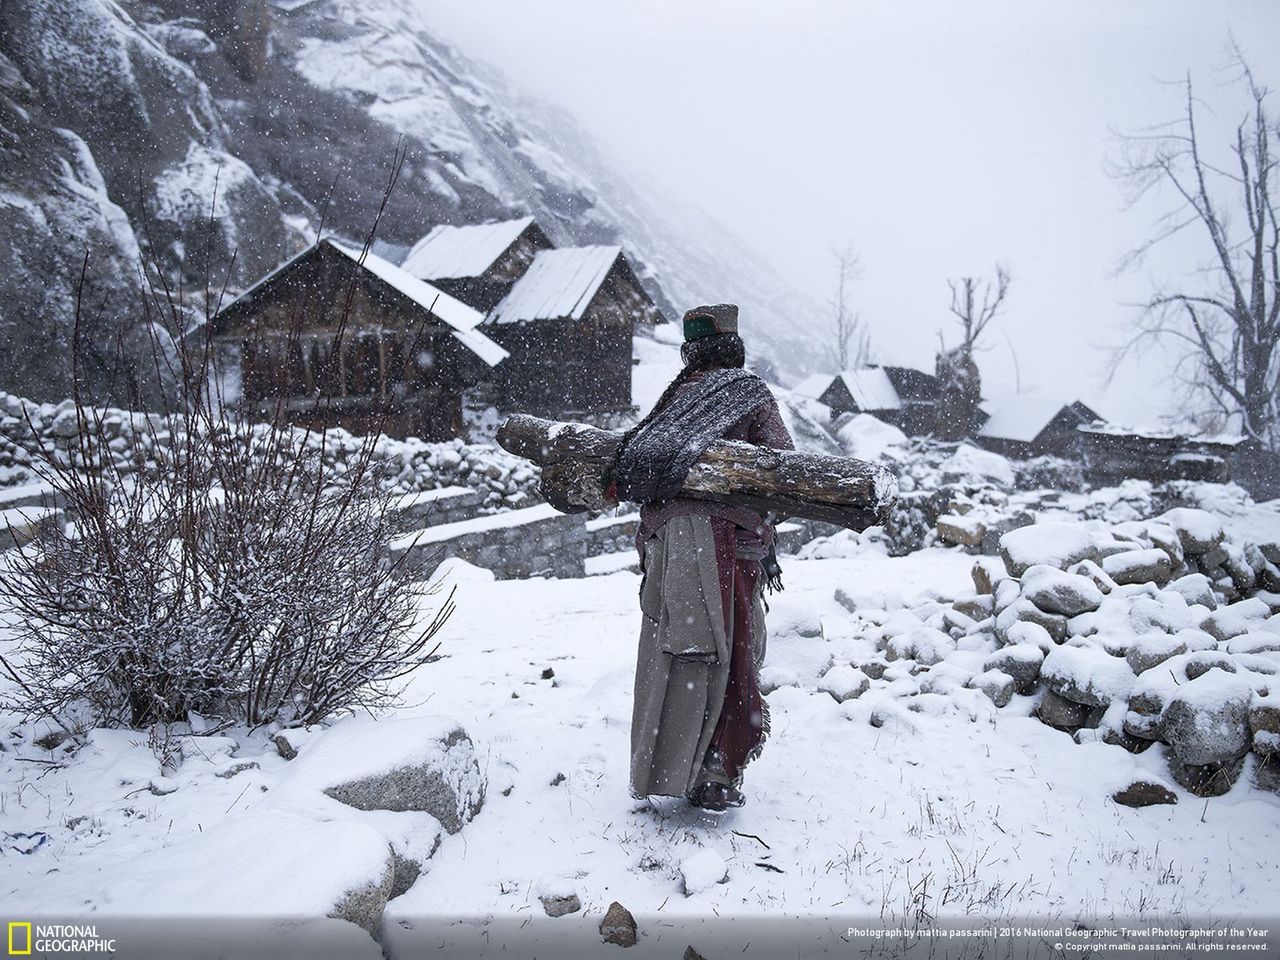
column 976, row 608
column 1056, row 591
column 1235, row 618
column 702, row 870
column 1144, row 793
column 1090, row 569
column 1021, row 662
column 964, row 531
column 986, row 573
column 1139, row 566
column 1024, row 611
column 1061, row 713
column 423, row 764
column 363, row 905
column 1207, row 720
column 998, row 686
column 873, row 668
column 1205, row 780
column 1150, row 649
column 1195, row 588
column 559, row 906
column 1256, row 641
column 1266, row 774
column 618, row 926
column 844, row 682
column 1264, row 723
column 774, row 678
column 925, row 645
column 1165, row 613
column 1087, row 675
column 1053, row 543
column 1198, row 530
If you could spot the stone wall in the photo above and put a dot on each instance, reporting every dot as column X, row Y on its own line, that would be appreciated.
column 535, row 541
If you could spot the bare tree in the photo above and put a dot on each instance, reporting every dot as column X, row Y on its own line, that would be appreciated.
column 1227, row 320
column 975, row 302
column 850, row 340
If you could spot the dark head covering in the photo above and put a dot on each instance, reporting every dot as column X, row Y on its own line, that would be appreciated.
column 710, row 319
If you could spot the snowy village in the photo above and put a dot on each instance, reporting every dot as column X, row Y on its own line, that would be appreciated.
column 503, row 480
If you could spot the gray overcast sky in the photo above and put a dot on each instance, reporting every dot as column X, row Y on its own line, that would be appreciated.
column 938, row 137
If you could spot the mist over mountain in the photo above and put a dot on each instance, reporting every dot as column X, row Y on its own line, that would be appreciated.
column 120, row 123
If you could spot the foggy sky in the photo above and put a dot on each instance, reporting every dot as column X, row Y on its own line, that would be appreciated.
column 937, row 137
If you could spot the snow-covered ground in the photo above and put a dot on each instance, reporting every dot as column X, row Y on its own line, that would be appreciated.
column 895, row 807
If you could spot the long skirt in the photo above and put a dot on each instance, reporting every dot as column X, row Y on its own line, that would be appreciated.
column 698, row 713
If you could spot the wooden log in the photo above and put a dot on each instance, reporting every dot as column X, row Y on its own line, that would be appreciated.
column 573, row 456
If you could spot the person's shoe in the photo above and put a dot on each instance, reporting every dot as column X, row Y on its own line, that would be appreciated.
column 716, row 797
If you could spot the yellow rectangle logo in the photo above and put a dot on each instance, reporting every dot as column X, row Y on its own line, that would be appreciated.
column 16, row 926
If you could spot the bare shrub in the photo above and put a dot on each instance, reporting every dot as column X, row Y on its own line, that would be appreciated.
column 222, row 574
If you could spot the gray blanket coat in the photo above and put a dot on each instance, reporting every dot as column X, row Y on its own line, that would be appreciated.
column 682, row 666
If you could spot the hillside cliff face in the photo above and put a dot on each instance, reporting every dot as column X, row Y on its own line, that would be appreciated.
column 211, row 140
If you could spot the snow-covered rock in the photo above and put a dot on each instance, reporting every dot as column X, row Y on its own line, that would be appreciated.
column 971, row 461
column 1236, row 618
column 922, row 644
column 1056, row 591
column 1264, row 722
column 1020, row 661
column 997, row 685
column 1207, row 719
column 844, row 682
column 1198, row 530
column 421, row 764
column 1087, row 674
column 703, row 870
column 1053, row 542
column 1151, row 649
column 558, row 895
column 1139, row 566
column 1057, row 711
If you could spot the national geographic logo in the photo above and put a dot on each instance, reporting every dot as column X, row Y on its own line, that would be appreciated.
column 27, row 939
column 19, row 938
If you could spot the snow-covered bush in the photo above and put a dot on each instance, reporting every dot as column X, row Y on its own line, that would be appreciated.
column 226, row 577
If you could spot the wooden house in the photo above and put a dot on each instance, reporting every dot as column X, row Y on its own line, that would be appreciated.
column 1113, row 454
column 903, row 396
column 1028, row 426
column 334, row 338
column 567, row 324
column 477, row 263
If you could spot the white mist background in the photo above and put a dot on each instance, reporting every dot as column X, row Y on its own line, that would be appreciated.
column 936, row 137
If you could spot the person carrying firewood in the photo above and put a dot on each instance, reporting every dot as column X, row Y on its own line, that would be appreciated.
column 699, row 717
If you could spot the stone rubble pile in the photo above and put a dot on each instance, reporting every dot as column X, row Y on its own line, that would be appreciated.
column 1137, row 633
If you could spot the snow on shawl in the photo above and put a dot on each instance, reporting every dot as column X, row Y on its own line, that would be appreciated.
column 654, row 462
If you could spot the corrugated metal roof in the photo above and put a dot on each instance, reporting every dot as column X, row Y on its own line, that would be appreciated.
column 871, row 389
column 559, row 283
column 455, row 313
column 449, row 252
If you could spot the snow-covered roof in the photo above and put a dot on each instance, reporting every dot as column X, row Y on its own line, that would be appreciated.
column 450, row 252
column 559, row 283
column 814, row 385
column 871, row 389
column 455, row 313
column 1022, row 418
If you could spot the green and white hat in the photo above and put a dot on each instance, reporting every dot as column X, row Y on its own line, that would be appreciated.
column 710, row 319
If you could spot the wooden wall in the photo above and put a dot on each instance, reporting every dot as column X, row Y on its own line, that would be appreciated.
column 391, row 364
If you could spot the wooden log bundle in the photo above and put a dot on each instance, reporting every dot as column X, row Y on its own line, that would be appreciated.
column 574, row 456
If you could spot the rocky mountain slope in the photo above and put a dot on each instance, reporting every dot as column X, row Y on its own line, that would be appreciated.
column 121, row 122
